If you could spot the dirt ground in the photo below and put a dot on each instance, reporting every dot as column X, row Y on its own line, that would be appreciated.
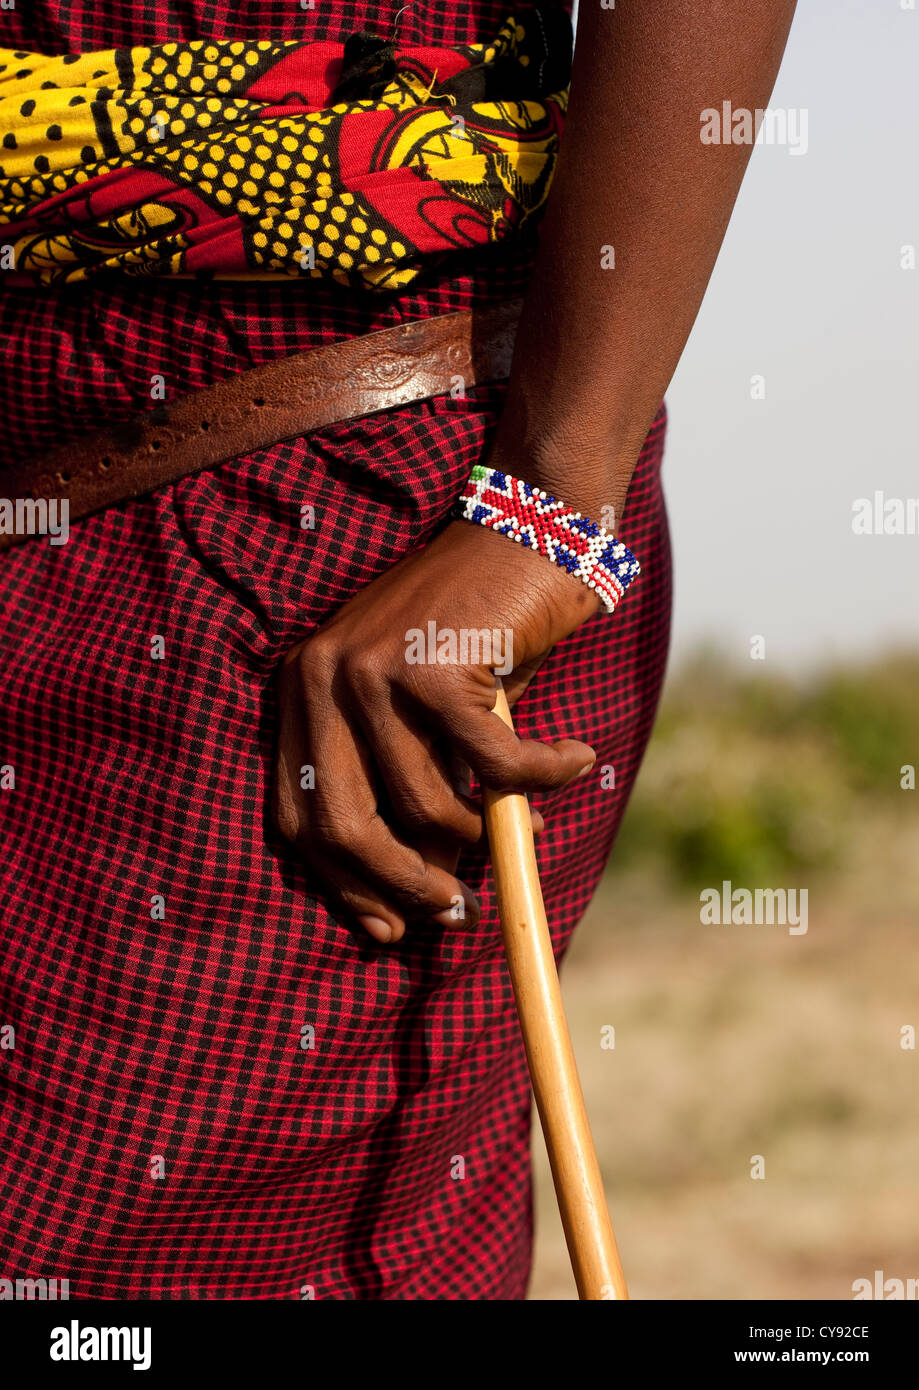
column 742, row 1040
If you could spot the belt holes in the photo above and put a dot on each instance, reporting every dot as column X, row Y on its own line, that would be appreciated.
column 105, row 463
column 205, row 424
column 155, row 444
column 63, row 477
column 258, row 400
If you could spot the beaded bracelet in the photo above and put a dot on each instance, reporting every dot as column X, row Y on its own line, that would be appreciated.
column 526, row 515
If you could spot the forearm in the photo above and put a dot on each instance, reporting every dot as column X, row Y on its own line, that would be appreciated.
column 597, row 346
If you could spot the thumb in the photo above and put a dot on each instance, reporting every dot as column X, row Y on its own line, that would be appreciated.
column 516, row 683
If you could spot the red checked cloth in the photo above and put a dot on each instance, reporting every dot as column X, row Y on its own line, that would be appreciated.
column 166, row 1129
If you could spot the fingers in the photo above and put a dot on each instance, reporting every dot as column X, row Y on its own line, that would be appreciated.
column 374, row 854
column 502, row 760
column 374, row 874
column 461, row 778
column 386, row 811
column 423, row 795
column 354, row 899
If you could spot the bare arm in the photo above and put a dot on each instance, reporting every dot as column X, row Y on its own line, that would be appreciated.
column 597, row 347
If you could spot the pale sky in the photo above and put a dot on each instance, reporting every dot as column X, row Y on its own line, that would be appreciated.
column 809, row 293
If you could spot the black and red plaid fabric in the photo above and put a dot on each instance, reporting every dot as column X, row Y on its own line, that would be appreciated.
column 209, row 1086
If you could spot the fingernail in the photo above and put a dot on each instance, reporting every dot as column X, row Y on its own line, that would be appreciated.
column 589, row 768
column 378, row 929
column 453, row 917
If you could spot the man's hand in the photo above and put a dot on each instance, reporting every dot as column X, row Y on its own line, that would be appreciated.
column 390, row 739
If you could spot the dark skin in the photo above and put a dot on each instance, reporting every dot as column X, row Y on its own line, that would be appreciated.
column 391, row 742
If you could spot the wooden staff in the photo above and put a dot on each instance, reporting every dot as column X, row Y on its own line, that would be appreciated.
column 553, row 1071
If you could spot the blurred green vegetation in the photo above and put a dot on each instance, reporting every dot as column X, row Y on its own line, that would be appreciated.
column 751, row 774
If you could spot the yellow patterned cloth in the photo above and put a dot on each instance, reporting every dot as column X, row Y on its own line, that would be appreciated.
column 355, row 161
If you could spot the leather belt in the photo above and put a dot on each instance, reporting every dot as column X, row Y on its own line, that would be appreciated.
column 264, row 405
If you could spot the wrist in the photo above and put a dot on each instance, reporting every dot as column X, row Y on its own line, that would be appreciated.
column 573, row 451
column 547, row 526
column 588, row 476
column 561, row 602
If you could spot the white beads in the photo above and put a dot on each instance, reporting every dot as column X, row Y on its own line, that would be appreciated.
column 531, row 517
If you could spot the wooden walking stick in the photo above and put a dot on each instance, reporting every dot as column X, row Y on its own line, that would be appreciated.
column 553, row 1071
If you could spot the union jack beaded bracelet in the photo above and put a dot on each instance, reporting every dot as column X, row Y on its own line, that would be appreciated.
column 526, row 515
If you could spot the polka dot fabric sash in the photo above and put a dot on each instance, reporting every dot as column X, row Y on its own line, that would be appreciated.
column 355, row 161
